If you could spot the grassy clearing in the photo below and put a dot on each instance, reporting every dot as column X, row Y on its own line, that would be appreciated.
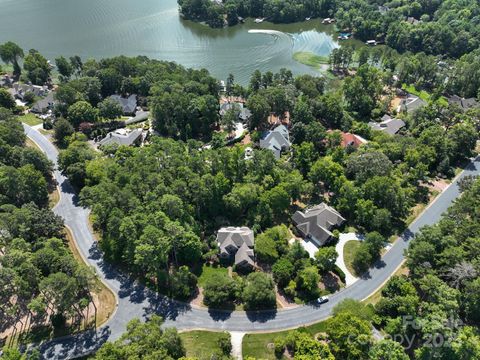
column 201, row 344
column 349, row 252
column 209, row 271
column 260, row 346
column 422, row 94
column 310, row 59
column 105, row 297
column 30, row 119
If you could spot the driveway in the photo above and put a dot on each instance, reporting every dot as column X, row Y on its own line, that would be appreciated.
column 135, row 301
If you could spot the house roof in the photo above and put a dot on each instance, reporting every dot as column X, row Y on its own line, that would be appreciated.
column 238, row 240
column 244, row 256
column 276, row 140
column 463, row 103
column 44, row 104
column 315, row 223
column 388, row 125
column 349, row 139
column 129, row 105
column 243, row 113
column 19, row 90
column 411, row 103
column 121, row 138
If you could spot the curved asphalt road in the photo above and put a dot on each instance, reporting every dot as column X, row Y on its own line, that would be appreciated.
column 135, row 301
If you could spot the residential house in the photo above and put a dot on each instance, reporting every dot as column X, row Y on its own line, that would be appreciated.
column 243, row 113
column 122, row 137
column 315, row 224
column 463, row 103
column 276, row 140
column 413, row 21
column 237, row 243
column 410, row 103
column 43, row 105
column 129, row 104
column 18, row 90
column 349, row 139
column 388, row 125
column 6, row 81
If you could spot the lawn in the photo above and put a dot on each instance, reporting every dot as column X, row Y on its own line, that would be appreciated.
column 30, row 119
column 208, row 271
column 257, row 345
column 310, row 59
column 349, row 252
column 422, row 94
column 201, row 344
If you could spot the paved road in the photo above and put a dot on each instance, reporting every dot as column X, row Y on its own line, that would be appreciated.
column 134, row 301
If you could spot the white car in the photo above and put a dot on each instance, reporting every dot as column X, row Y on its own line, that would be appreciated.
column 322, row 300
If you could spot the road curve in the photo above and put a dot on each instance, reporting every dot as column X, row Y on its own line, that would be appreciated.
column 135, row 301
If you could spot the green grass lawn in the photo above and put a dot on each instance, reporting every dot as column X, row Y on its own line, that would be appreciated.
column 201, row 344
column 422, row 94
column 257, row 345
column 30, row 119
column 310, row 59
column 208, row 271
column 349, row 252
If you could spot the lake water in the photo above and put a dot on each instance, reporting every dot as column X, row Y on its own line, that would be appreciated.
column 101, row 28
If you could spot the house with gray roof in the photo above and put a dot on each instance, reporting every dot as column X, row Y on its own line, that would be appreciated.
column 315, row 224
column 43, row 105
column 276, row 140
column 122, row 137
column 237, row 243
column 243, row 112
column 388, row 125
column 410, row 103
column 129, row 104
column 463, row 103
column 18, row 90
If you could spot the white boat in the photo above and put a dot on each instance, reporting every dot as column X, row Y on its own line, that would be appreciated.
column 308, row 19
column 259, row 20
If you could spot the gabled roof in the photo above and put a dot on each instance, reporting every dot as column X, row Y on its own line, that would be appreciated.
column 411, row 103
column 463, row 103
column 349, row 139
column 243, row 113
column 129, row 105
column 388, row 125
column 276, row 140
column 316, row 223
column 44, row 104
column 121, row 138
column 244, row 256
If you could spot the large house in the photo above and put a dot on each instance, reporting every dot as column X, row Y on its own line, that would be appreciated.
column 122, row 137
column 315, row 224
column 129, row 105
column 43, row 105
column 18, row 90
column 463, row 103
column 276, row 140
column 349, row 139
column 388, row 125
column 237, row 243
column 243, row 113
column 410, row 103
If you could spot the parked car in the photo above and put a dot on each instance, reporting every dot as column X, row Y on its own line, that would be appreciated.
column 322, row 300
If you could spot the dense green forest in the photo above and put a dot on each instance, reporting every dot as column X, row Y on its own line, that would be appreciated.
column 446, row 27
column 41, row 285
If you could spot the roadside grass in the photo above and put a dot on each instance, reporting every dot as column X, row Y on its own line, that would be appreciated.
column 310, row 59
column 260, row 345
column 105, row 297
column 377, row 295
column 30, row 119
column 208, row 271
column 53, row 198
column 201, row 345
column 349, row 252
